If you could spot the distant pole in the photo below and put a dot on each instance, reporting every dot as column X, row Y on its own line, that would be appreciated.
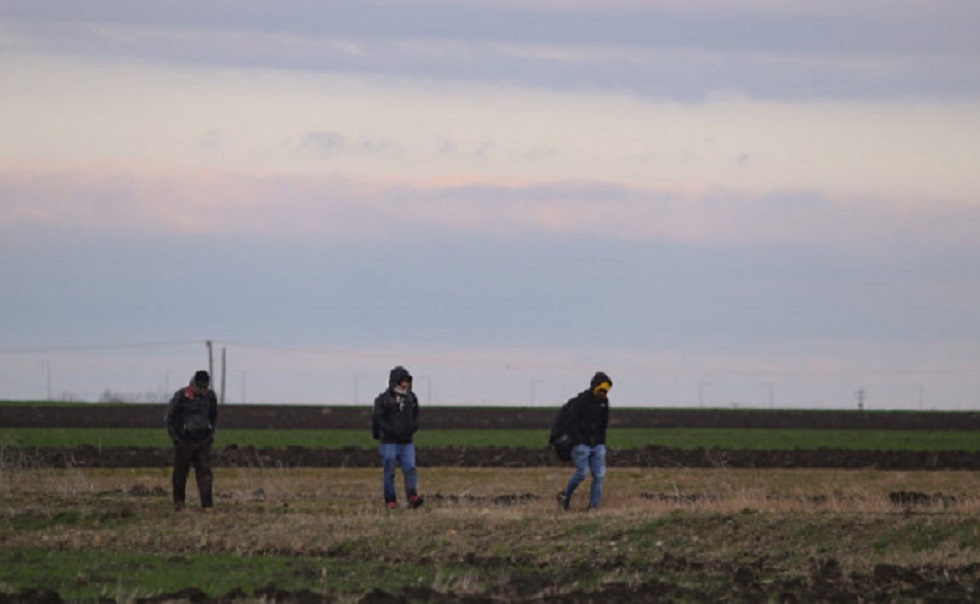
column 861, row 394
column 224, row 372
column 210, row 358
column 357, row 396
column 701, row 387
column 428, row 388
column 47, row 372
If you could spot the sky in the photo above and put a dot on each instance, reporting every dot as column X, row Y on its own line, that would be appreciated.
column 718, row 203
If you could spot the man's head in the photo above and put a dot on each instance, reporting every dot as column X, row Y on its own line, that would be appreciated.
column 201, row 382
column 600, row 385
column 400, row 378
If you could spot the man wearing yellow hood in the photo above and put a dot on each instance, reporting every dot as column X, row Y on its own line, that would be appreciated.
column 588, row 418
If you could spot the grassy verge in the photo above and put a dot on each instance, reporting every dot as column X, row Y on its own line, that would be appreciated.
column 880, row 440
column 127, row 576
column 91, row 534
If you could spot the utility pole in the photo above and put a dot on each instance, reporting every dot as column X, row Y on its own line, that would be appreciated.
column 701, row 393
column 428, row 388
column 210, row 359
column 861, row 394
column 357, row 399
column 47, row 369
column 224, row 372
column 921, row 392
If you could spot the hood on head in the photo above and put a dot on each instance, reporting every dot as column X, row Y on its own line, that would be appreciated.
column 598, row 379
column 201, row 379
column 398, row 374
column 199, row 384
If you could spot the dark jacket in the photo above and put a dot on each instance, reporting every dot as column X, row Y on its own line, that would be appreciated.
column 396, row 417
column 588, row 415
column 192, row 417
column 588, row 419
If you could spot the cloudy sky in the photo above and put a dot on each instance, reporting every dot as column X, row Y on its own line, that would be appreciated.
column 753, row 203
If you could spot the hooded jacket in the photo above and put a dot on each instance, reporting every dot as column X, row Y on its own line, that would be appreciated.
column 192, row 417
column 396, row 416
column 588, row 415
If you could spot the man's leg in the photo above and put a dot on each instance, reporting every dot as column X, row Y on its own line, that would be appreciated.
column 182, row 465
column 597, row 464
column 411, row 474
column 580, row 455
column 389, row 456
column 203, row 474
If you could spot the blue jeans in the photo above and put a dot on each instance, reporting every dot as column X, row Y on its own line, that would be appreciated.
column 392, row 456
column 588, row 459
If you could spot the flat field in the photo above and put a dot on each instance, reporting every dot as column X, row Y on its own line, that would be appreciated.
column 698, row 506
column 619, row 438
column 131, row 435
column 484, row 534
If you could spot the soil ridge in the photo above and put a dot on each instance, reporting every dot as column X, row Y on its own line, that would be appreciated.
column 88, row 456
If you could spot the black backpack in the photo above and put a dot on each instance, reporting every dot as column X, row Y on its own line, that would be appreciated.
column 194, row 421
column 558, row 439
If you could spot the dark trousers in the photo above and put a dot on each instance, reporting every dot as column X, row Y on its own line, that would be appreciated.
column 197, row 453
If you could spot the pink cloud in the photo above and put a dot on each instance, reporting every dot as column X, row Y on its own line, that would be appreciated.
column 121, row 196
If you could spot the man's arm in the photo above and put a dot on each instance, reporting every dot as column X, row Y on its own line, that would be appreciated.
column 172, row 416
column 379, row 419
column 574, row 423
column 213, row 412
column 415, row 414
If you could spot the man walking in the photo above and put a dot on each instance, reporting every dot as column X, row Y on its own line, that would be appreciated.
column 588, row 418
column 192, row 417
column 394, row 422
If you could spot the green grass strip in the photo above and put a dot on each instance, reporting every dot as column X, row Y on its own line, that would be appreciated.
column 127, row 576
column 679, row 438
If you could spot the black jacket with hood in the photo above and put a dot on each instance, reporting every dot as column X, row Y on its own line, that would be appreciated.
column 396, row 416
column 588, row 415
column 192, row 416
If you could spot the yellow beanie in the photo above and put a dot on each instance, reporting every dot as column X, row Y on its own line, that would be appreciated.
column 603, row 386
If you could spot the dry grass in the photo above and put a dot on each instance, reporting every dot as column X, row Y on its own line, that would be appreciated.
column 783, row 520
column 354, row 494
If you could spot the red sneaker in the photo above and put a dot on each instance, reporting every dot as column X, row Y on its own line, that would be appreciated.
column 415, row 501
column 391, row 504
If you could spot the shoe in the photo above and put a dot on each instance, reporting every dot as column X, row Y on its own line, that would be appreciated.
column 207, row 510
column 563, row 501
column 415, row 501
column 178, row 506
column 391, row 504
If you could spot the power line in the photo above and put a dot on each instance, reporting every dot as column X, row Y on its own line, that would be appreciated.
column 84, row 347
column 496, row 361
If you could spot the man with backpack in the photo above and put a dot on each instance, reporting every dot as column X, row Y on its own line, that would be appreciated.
column 582, row 424
column 192, row 417
column 394, row 422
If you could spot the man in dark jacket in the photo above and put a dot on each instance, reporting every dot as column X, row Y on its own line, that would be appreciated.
column 192, row 417
column 394, row 422
column 588, row 418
